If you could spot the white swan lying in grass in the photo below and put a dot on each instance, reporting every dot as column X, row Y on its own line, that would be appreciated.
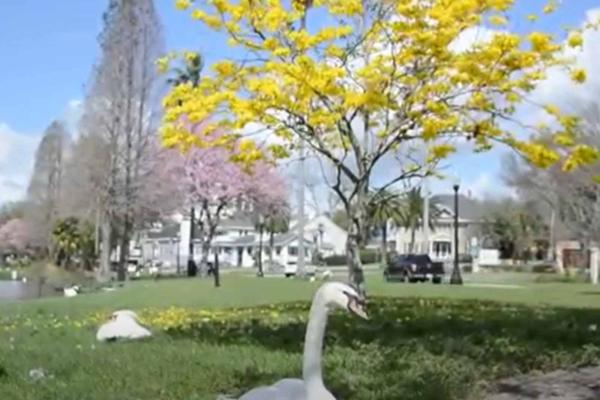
column 123, row 324
column 71, row 291
column 329, row 296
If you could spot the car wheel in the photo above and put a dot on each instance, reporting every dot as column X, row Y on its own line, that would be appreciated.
column 436, row 280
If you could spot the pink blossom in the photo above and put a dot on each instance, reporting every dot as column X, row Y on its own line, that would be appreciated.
column 15, row 235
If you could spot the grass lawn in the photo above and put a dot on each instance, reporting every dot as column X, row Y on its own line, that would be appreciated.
column 423, row 342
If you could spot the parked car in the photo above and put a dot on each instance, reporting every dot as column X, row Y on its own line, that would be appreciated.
column 291, row 268
column 413, row 268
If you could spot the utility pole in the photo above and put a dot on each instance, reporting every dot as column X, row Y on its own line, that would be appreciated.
column 425, row 187
column 301, row 214
column 425, row 216
column 300, row 266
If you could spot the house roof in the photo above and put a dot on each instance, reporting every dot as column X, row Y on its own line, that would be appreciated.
column 165, row 232
column 237, row 220
column 468, row 208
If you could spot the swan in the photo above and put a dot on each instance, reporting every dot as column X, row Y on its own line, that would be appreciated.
column 123, row 324
column 329, row 296
column 71, row 291
column 326, row 275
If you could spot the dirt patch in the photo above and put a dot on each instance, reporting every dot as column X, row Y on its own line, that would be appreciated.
column 580, row 384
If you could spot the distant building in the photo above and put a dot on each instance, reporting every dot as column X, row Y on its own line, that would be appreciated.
column 236, row 242
column 441, row 236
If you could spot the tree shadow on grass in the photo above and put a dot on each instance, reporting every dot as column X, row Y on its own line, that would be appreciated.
column 424, row 349
column 436, row 324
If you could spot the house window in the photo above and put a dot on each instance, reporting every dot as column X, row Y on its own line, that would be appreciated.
column 292, row 251
column 249, row 250
column 278, row 250
column 442, row 249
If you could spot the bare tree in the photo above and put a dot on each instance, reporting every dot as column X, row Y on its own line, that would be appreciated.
column 573, row 197
column 45, row 187
column 119, row 122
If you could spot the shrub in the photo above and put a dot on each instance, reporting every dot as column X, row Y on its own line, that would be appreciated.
column 367, row 256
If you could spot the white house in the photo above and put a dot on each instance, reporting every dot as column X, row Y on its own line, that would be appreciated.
column 441, row 237
column 325, row 234
column 236, row 242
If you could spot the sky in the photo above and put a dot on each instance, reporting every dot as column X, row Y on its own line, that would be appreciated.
column 48, row 48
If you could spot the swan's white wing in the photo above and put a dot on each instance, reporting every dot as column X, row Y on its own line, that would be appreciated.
column 285, row 389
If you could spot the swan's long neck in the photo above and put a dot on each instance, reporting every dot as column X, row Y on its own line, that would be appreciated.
column 313, row 343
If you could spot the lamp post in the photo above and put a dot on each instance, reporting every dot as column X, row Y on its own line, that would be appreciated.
column 321, row 229
column 178, row 253
column 455, row 278
column 261, row 224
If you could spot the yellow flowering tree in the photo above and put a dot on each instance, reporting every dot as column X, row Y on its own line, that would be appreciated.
column 369, row 79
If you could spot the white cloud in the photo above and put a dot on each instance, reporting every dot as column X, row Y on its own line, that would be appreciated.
column 471, row 37
column 487, row 186
column 558, row 88
column 17, row 152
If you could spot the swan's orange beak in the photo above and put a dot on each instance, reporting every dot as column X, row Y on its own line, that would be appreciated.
column 358, row 308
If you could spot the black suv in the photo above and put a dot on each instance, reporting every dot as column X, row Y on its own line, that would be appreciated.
column 413, row 268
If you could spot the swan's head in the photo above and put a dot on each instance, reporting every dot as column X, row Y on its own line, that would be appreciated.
column 344, row 296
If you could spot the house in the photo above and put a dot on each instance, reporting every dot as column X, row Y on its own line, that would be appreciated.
column 325, row 234
column 236, row 242
column 441, row 235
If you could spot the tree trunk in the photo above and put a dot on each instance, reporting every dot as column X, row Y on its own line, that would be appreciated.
column 216, row 271
column 271, row 247
column 191, row 265
column 260, row 249
column 413, row 230
column 355, row 270
column 105, row 250
column 124, row 250
column 384, row 243
column 204, row 261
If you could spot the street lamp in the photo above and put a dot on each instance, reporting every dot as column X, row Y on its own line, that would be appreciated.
column 178, row 253
column 321, row 229
column 455, row 278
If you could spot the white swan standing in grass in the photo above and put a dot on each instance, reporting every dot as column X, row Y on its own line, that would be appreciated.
column 329, row 296
column 123, row 324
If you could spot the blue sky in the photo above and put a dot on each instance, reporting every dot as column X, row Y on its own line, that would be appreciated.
column 48, row 48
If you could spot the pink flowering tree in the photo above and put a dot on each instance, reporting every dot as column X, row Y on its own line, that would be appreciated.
column 15, row 235
column 208, row 182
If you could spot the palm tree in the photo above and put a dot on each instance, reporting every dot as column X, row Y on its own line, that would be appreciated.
column 272, row 221
column 383, row 207
column 191, row 73
column 276, row 222
column 411, row 216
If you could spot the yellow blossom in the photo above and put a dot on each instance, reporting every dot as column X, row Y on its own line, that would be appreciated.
column 578, row 75
column 182, row 4
column 575, row 39
column 497, row 20
column 162, row 64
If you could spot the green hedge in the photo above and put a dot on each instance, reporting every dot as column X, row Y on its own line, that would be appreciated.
column 367, row 256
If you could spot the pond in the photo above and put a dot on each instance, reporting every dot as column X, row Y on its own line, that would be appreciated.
column 17, row 290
